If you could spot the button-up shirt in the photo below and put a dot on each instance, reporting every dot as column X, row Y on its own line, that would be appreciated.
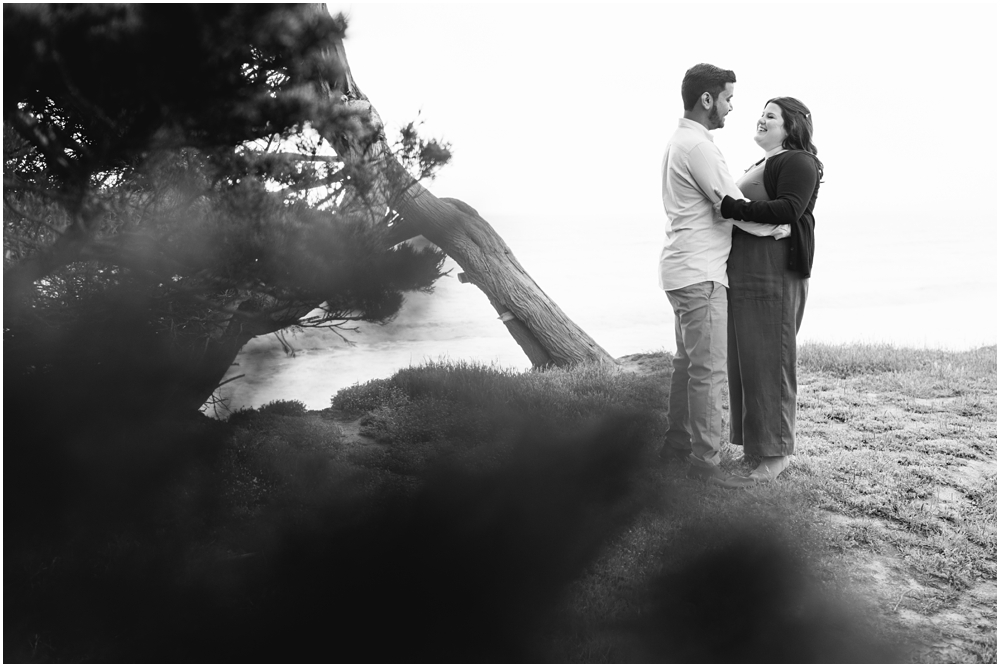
column 698, row 238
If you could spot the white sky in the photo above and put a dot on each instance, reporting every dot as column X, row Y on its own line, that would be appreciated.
column 558, row 115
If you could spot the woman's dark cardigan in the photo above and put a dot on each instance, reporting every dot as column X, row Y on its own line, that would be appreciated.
column 791, row 180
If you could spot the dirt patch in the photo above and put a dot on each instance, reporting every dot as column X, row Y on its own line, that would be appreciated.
column 974, row 473
column 967, row 628
column 966, row 624
column 949, row 497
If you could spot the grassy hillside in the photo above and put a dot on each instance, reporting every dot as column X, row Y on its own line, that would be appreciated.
column 455, row 512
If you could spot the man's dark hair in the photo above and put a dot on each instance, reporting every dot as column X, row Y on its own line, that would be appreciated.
column 704, row 78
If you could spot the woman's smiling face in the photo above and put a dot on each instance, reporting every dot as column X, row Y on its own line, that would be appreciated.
column 770, row 128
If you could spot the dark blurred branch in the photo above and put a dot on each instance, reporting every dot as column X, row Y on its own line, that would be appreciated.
column 30, row 218
column 18, row 279
column 14, row 183
column 80, row 99
column 69, row 141
column 46, row 142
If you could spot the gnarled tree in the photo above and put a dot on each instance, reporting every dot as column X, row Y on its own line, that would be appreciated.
column 545, row 333
column 180, row 179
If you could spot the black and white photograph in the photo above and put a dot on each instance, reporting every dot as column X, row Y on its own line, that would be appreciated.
column 494, row 332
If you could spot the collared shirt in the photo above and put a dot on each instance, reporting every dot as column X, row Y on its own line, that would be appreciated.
column 698, row 238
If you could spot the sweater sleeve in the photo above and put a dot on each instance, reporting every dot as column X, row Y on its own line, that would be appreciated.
column 796, row 182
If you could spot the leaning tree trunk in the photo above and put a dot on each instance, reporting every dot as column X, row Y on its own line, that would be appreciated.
column 539, row 326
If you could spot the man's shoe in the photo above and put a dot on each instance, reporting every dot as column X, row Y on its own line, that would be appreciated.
column 669, row 455
column 710, row 474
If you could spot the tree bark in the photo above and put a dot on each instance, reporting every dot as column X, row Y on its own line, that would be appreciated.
column 544, row 332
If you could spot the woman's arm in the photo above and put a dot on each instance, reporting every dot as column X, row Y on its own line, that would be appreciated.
column 796, row 182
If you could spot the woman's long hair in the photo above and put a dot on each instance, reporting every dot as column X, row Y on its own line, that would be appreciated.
column 798, row 127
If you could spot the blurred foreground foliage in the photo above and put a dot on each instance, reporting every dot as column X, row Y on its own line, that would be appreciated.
column 472, row 530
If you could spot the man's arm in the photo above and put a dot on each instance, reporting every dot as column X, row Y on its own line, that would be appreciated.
column 711, row 175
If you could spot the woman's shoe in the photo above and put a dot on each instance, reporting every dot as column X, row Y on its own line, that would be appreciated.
column 768, row 470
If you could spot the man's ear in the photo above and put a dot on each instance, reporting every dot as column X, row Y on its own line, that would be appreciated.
column 706, row 101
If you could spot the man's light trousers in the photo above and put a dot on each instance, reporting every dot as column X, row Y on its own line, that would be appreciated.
column 695, row 410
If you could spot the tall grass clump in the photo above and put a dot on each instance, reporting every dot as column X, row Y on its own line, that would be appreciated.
column 919, row 373
column 844, row 361
column 847, row 360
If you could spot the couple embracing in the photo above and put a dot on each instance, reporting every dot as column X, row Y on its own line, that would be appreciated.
column 735, row 267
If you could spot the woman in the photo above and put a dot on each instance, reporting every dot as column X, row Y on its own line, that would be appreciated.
column 768, row 284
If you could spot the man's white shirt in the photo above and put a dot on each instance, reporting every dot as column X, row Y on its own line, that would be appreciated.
column 698, row 239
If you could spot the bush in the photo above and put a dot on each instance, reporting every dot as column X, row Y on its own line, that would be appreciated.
column 283, row 408
column 462, row 402
column 369, row 396
column 279, row 408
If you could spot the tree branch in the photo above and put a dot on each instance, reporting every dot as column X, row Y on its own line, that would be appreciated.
column 13, row 183
column 303, row 157
column 336, row 177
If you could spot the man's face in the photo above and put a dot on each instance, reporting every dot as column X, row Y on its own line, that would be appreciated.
column 721, row 108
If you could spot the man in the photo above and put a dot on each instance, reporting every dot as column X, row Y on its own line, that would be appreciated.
column 693, row 270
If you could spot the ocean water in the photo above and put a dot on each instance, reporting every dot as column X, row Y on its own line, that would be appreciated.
column 927, row 294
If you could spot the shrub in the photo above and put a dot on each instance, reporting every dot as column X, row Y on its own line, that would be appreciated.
column 474, row 403
column 369, row 396
column 283, row 408
column 279, row 408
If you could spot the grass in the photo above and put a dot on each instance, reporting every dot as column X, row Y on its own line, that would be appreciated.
column 894, row 484
column 900, row 447
column 505, row 516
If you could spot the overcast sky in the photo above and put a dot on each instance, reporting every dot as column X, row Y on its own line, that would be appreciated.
column 558, row 115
